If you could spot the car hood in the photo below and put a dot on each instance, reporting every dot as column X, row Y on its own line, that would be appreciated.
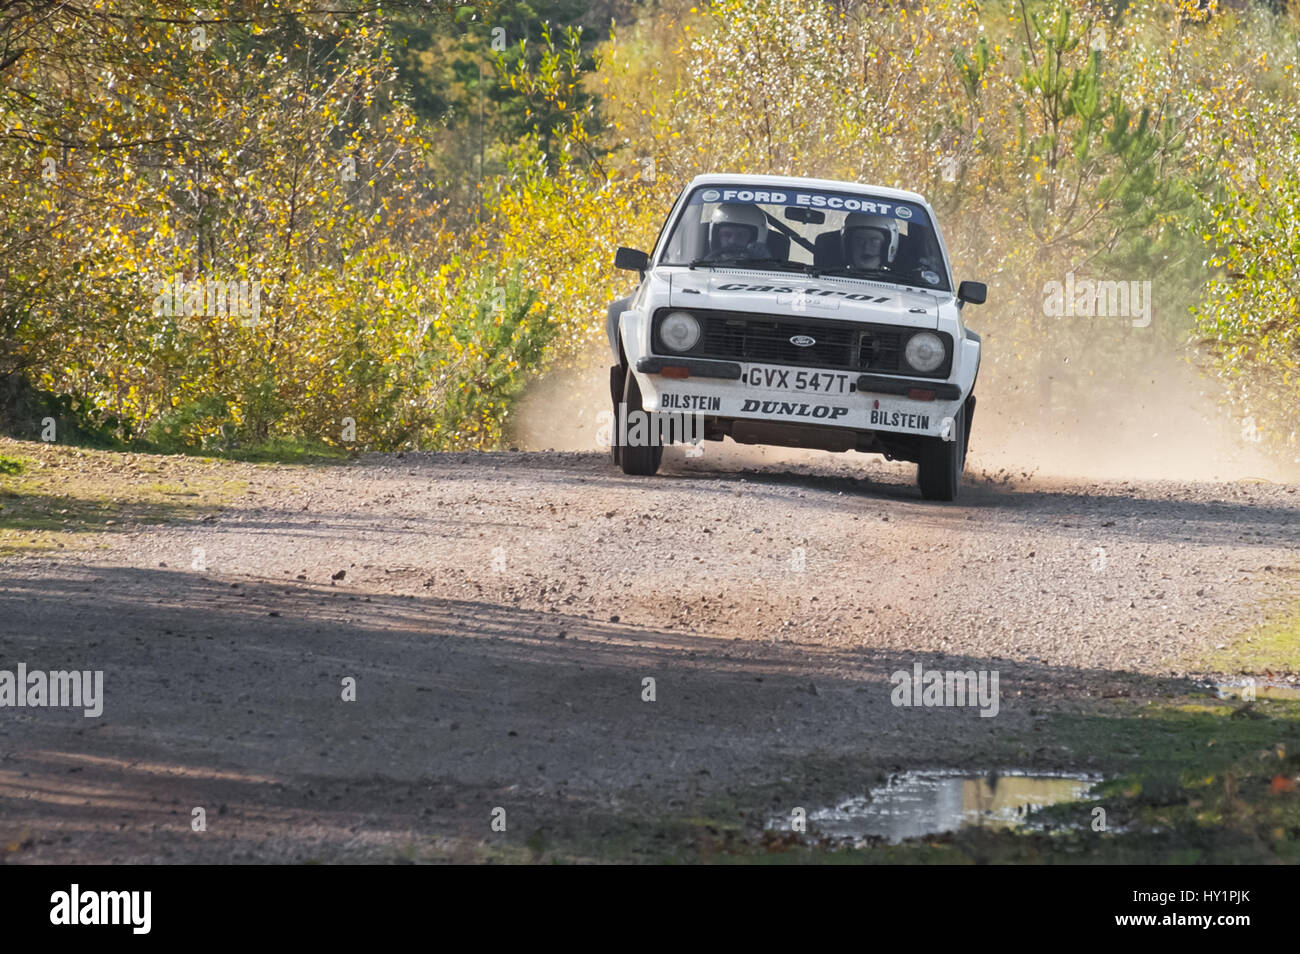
column 789, row 293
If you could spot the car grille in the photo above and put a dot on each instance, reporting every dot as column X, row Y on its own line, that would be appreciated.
column 765, row 339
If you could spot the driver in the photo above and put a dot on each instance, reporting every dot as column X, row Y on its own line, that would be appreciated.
column 870, row 241
column 737, row 231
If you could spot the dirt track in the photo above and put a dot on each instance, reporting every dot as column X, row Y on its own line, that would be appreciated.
column 500, row 612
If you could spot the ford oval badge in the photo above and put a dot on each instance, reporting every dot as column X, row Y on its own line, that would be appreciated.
column 803, row 341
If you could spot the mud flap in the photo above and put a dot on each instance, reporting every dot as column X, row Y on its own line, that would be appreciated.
column 616, row 381
column 970, row 418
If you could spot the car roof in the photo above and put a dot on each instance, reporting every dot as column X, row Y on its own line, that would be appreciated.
column 797, row 182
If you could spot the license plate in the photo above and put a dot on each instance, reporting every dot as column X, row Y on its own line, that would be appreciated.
column 802, row 380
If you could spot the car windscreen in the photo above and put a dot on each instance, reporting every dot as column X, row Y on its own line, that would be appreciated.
column 856, row 235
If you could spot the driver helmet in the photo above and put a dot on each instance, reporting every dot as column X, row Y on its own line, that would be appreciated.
column 886, row 226
column 750, row 217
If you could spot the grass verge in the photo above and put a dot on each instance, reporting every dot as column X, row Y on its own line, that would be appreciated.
column 54, row 496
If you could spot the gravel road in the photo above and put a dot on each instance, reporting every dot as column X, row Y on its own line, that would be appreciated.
column 500, row 614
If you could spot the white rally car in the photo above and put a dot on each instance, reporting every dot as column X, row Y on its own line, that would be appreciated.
column 800, row 313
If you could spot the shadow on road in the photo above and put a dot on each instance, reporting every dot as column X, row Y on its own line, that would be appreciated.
column 230, row 698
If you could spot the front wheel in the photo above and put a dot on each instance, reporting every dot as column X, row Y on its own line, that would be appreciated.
column 642, row 453
column 940, row 463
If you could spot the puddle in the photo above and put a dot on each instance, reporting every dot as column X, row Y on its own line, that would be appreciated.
column 913, row 804
column 1233, row 690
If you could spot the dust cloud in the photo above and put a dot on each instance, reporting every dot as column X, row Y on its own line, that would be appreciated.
column 1163, row 425
column 1166, row 423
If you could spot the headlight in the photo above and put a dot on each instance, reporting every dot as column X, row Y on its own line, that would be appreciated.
column 680, row 331
column 924, row 352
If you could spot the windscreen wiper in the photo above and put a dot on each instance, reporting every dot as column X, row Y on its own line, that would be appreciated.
column 745, row 262
column 877, row 273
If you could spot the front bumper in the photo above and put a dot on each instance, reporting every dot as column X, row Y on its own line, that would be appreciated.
column 860, row 402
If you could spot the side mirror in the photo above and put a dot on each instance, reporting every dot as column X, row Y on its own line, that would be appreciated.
column 973, row 292
column 631, row 259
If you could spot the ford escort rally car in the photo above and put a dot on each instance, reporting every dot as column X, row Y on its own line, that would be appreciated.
column 799, row 313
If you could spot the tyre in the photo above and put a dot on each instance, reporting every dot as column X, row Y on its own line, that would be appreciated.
column 644, row 460
column 940, row 463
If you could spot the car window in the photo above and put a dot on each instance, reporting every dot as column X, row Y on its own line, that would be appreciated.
column 775, row 228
